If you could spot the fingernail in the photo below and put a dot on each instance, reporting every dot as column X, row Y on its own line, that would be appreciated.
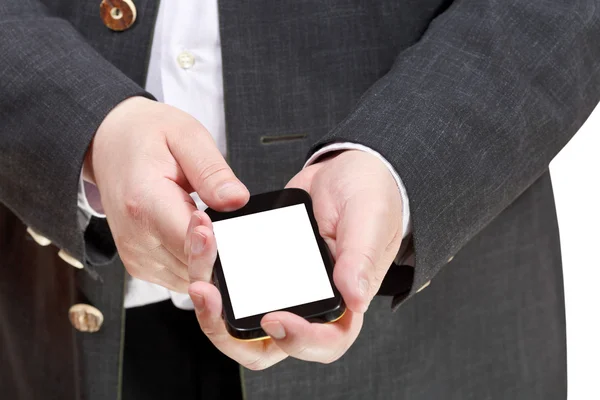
column 199, row 302
column 198, row 242
column 275, row 330
column 229, row 190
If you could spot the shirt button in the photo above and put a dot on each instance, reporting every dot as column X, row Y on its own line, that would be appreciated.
column 186, row 60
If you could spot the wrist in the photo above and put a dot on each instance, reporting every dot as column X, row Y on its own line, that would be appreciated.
column 102, row 139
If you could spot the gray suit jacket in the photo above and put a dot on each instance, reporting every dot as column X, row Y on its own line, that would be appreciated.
column 468, row 100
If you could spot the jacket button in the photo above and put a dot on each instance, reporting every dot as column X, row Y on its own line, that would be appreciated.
column 39, row 239
column 85, row 318
column 118, row 15
column 69, row 259
column 424, row 286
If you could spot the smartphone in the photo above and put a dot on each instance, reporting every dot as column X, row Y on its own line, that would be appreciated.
column 272, row 258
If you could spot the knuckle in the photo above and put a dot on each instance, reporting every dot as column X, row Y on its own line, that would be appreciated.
column 394, row 244
column 375, row 282
column 369, row 256
column 210, row 329
column 213, row 170
column 200, row 276
column 257, row 364
column 135, row 205
column 301, row 352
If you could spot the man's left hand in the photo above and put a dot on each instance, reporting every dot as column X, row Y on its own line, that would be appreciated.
column 358, row 208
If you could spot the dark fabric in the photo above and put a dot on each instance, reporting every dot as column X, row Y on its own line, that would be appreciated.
column 100, row 353
column 474, row 112
column 41, row 355
column 468, row 99
column 490, row 326
column 54, row 93
column 168, row 357
column 38, row 350
column 55, row 89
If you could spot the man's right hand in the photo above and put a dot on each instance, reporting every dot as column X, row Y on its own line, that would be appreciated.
column 145, row 159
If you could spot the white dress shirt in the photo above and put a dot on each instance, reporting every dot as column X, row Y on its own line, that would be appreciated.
column 185, row 71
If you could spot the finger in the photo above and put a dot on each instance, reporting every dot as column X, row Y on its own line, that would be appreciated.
column 255, row 355
column 307, row 341
column 198, row 218
column 194, row 222
column 304, row 178
column 170, row 280
column 162, row 268
column 169, row 209
column 203, row 253
column 148, row 256
column 206, row 169
column 363, row 235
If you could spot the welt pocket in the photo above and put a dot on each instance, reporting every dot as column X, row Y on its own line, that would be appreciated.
column 272, row 139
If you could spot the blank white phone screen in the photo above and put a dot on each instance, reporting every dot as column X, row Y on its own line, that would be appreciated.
column 271, row 261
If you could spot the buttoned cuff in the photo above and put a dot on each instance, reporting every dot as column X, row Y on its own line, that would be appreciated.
column 406, row 223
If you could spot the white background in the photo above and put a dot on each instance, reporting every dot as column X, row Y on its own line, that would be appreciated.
column 271, row 261
column 576, row 177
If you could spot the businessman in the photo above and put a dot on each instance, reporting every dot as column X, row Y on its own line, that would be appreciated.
column 422, row 130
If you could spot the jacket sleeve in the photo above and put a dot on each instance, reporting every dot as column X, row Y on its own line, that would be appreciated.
column 473, row 113
column 55, row 90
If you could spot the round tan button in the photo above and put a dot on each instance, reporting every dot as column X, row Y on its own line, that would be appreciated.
column 118, row 15
column 85, row 318
column 186, row 60
column 39, row 239
column 69, row 259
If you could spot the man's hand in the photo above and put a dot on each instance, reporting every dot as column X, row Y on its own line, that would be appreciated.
column 358, row 208
column 145, row 159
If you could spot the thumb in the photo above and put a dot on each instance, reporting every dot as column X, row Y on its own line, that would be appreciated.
column 363, row 234
column 303, row 179
column 206, row 170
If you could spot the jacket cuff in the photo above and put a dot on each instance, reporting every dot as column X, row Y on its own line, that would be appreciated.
column 400, row 276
